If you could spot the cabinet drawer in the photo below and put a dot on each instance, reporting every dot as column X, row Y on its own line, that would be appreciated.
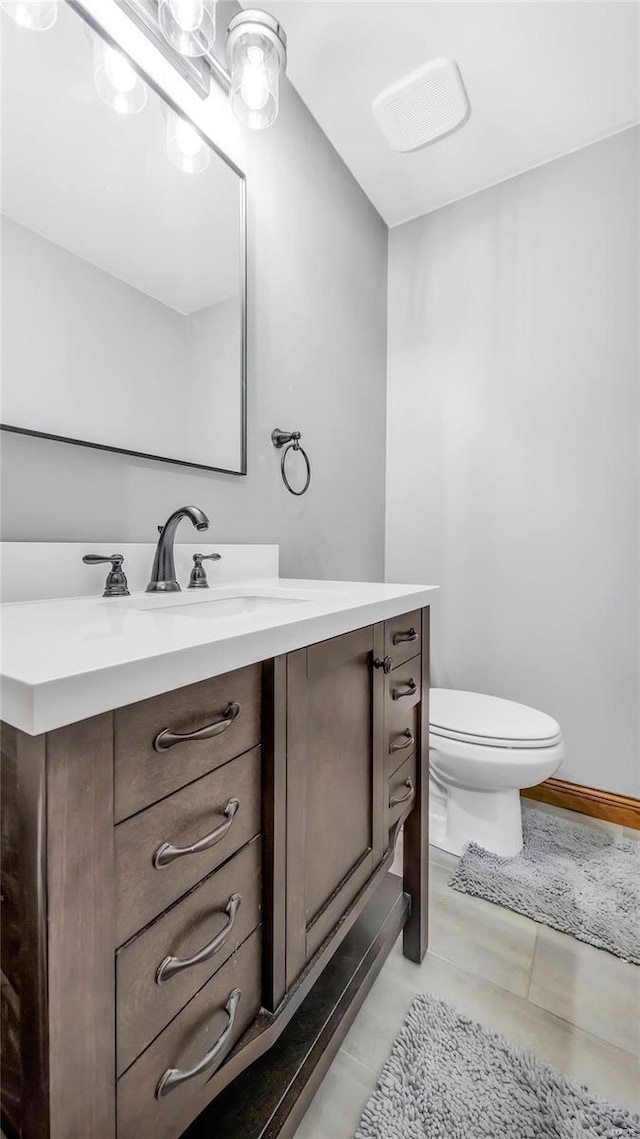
column 220, row 914
column 401, row 734
column 229, row 705
column 202, row 809
column 402, row 790
column 403, row 637
column 183, row 1044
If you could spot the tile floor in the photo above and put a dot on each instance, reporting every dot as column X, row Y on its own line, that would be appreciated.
column 575, row 1006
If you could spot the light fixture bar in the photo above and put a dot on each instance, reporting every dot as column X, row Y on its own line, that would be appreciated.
column 196, row 70
column 219, row 72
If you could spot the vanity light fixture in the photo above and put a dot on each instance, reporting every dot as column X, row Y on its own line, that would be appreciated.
column 37, row 15
column 117, row 82
column 256, row 54
column 188, row 25
column 185, row 146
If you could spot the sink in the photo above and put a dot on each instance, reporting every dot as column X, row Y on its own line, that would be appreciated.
column 221, row 606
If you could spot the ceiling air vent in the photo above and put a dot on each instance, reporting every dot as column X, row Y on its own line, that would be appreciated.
column 424, row 106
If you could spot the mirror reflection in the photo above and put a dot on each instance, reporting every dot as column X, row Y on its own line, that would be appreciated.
column 123, row 259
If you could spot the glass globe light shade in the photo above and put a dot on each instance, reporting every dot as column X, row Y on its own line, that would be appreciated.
column 256, row 54
column 37, row 15
column 117, row 82
column 185, row 146
column 188, row 25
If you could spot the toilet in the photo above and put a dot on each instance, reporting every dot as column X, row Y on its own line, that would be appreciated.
column 483, row 750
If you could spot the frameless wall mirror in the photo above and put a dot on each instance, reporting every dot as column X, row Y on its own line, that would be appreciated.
column 123, row 259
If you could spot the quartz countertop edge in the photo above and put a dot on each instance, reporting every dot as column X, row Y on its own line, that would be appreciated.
column 67, row 660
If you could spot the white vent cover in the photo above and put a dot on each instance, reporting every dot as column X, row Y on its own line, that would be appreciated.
column 425, row 105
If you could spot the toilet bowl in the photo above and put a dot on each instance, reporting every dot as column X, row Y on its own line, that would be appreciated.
column 482, row 751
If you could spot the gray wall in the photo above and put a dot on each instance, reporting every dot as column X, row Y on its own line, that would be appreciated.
column 513, row 443
column 317, row 357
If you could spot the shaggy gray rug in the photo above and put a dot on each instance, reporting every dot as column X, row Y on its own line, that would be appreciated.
column 447, row 1078
column 576, row 878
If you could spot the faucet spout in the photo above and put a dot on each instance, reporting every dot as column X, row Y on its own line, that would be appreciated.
column 163, row 573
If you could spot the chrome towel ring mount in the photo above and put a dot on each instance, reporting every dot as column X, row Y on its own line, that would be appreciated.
column 290, row 441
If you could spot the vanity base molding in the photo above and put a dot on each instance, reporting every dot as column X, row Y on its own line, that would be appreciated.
column 196, row 893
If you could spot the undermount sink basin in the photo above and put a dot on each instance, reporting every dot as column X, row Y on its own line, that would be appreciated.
column 221, row 606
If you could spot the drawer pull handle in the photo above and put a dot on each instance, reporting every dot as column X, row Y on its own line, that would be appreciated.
column 168, row 853
column 386, row 665
column 166, row 738
column 395, row 800
column 410, row 689
column 400, row 638
column 409, row 741
column 172, row 965
column 173, row 1077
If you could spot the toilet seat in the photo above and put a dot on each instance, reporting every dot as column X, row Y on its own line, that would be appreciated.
column 489, row 741
column 472, row 765
column 489, row 721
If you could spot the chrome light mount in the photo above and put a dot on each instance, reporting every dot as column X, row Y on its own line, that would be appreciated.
column 254, row 21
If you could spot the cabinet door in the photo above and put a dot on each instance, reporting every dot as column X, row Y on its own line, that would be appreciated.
column 335, row 784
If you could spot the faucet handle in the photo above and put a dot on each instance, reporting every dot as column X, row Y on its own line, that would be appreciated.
column 116, row 583
column 198, row 579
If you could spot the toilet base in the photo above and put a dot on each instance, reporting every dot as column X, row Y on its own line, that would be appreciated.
column 492, row 819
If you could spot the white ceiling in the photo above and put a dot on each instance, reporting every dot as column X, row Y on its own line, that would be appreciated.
column 543, row 79
column 101, row 185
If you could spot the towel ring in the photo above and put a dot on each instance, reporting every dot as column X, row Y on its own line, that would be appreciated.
column 290, row 440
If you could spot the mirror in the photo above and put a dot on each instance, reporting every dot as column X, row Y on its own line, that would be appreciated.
column 123, row 259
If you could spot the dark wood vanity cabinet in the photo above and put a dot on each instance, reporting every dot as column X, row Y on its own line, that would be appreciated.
column 335, row 775
column 178, row 874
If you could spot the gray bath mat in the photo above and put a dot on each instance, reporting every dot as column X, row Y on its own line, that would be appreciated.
column 576, row 878
column 447, row 1078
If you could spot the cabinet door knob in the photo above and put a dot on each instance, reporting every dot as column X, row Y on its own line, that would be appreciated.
column 400, row 638
column 410, row 688
column 172, row 965
column 166, row 738
column 386, row 665
column 168, row 853
column 395, row 800
column 173, row 1077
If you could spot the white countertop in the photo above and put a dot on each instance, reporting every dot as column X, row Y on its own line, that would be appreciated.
column 64, row 660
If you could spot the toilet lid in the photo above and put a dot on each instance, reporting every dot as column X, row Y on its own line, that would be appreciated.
column 490, row 720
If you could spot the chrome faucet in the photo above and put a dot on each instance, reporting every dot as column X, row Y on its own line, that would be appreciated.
column 163, row 574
